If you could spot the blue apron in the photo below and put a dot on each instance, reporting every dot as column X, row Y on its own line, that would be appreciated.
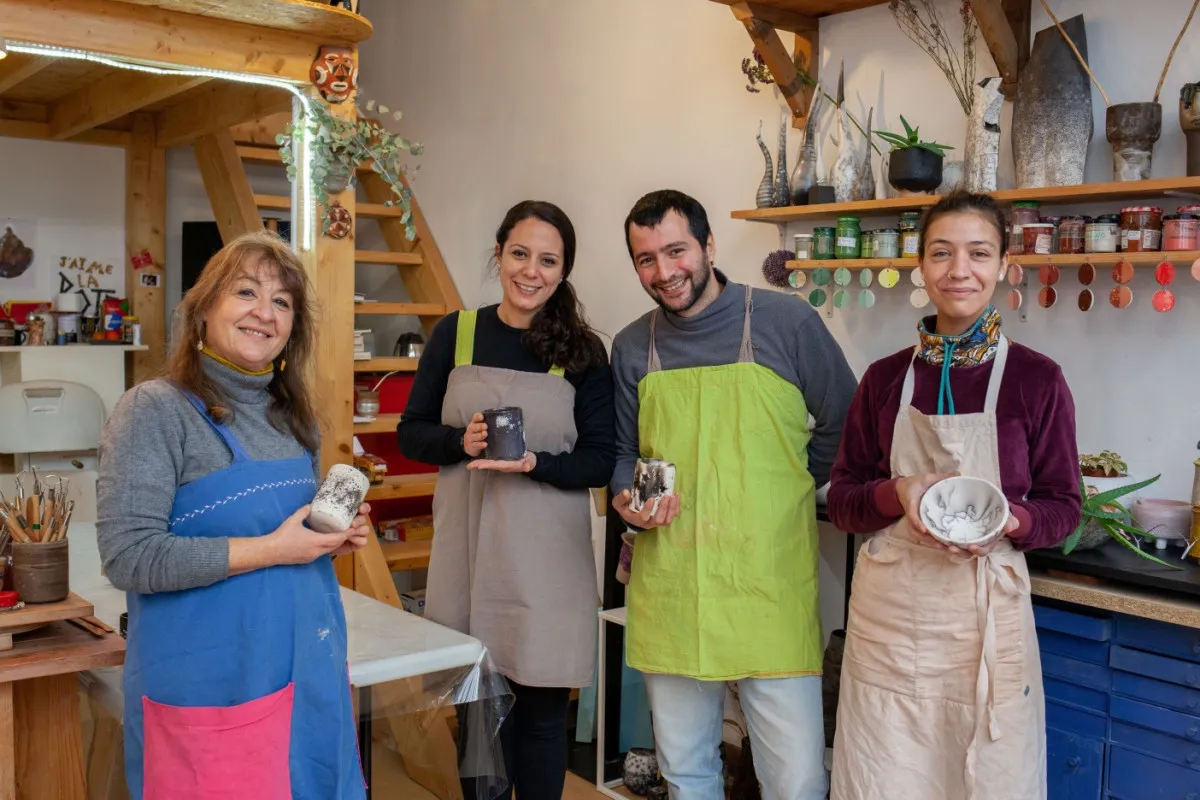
column 241, row 688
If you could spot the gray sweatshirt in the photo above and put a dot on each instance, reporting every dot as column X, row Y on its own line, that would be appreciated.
column 156, row 441
column 789, row 338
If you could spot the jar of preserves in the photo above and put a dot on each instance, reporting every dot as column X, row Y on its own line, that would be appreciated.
column 1038, row 238
column 1181, row 232
column 1103, row 234
column 1141, row 228
column 1071, row 233
column 823, row 239
column 804, row 246
column 887, row 243
column 867, row 245
column 910, row 234
column 1024, row 212
column 849, row 238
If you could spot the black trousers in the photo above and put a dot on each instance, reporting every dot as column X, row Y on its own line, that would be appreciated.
column 533, row 741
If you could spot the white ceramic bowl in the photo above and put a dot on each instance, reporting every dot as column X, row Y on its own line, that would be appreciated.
column 964, row 511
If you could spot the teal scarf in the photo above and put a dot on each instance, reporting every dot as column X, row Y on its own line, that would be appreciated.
column 969, row 349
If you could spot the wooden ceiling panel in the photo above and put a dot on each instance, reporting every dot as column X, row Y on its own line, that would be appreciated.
column 812, row 8
column 58, row 79
column 301, row 16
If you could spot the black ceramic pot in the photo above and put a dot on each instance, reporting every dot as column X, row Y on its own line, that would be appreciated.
column 505, row 434
column 914, row 169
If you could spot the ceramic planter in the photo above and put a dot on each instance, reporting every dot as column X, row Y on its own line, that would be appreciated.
column 1132, row 129
column 1189, row 120
column 641, row 771
column 915, row 169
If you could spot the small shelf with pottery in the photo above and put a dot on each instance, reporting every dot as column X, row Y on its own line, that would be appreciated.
column 1068, row 259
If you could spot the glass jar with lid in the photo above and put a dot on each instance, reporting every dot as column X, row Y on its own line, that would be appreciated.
column 1024, row 212
column 1181, row 232
column 1103, row 234
column 910, row 234
column 1141, row 228
column 823, row 241
column 887, row 243
column 1071, row 234
column 804, row 246
column 849, row 236
column 867, row 245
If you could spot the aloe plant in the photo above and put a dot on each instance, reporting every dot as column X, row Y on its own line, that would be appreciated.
column 911, row 139
column 1103, row 510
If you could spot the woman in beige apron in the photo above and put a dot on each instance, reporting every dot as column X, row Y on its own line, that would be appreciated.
column 941, row 688
column 512, row 560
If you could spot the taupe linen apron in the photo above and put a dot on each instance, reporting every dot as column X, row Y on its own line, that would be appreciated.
column 941, row 690
column 512, row 561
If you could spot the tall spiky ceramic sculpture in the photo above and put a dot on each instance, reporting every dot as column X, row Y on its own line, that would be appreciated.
column 766, row 189
column 783, row 194
column 804, row 176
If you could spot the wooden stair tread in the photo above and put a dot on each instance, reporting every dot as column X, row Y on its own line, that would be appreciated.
column 279, row 202
column 395, row 487
column 414, row 309
column 387, row 257
column 388, row 364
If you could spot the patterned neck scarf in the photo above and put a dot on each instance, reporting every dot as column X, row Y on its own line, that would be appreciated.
column 969, row 349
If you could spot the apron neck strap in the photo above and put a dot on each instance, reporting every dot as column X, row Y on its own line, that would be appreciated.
column 222, row 430
column 464, row 337
column 745, row 350
column 993, row 390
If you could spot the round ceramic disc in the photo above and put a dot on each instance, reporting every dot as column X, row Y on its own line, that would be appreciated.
column 1196, row 269
column 1014, row 299
column 1087, row 273
column 1086, row 299
column 917, row 278
column 797, row 278
column 889, row 276
column 919, row 298
column 1123, row 272
column 1048, row 274
column 1164, row 273
column 1047, row 297
column 841, row 298
column 841, row 276
column 866, row 298
column 1120, row 297
column 1164, row 300
column 1015, row 274
column 865, row 278
column 817, row 298
column 820, row 276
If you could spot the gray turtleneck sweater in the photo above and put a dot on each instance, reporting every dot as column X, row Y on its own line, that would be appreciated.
column 788, row 337
column 156, row 441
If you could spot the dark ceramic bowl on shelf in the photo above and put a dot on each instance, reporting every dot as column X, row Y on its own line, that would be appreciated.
column 915, row 169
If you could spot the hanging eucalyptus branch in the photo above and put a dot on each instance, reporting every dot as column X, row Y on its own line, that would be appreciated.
column 924, row 26
column 341, row 146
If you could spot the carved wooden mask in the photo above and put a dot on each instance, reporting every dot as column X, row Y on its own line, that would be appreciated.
column 334, row 73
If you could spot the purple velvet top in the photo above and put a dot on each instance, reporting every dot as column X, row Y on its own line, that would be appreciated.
column 1035, row 418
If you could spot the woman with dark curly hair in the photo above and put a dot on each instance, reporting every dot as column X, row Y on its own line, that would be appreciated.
column 512, row 556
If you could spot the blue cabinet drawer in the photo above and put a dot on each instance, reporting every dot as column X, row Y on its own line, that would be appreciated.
column 1074, row 671
column 1138, row 687
column 1097, row 627
column 1073, row 719
column 1136, row 776
column 1163, row 720
column 1074, row 766
column 1171, row 670
column 1162, row 638
column 1073, row 646
column 1162, row 747
column 1078, row 695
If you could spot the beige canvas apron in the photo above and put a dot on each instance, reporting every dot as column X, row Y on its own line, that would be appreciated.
column 941, row 690
column 512, row 561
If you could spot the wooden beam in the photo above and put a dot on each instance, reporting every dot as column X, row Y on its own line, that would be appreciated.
column 146, row 231
column 161, row 36
column 261, row 132
column 114, row 96
column 998, row 22
column 795, row 91
column 227, row 186
column 780, row 18
column 216, row 108
column 18, row 129
column 18, row 68
column 806, row 55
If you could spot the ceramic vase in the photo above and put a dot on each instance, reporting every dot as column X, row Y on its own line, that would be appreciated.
column 1189, row 120
column 1132, row 129
column 983, row 137
column 1052, row 115
column 641, row 770
column 804, row 176
column 765, row 197
column 782, row 193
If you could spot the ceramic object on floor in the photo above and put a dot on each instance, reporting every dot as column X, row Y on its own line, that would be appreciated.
column 963, row 510
column 1052, row 115
column 1132, row 129
column 641, row 770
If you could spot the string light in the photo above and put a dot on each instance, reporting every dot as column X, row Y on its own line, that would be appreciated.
column 303, row 229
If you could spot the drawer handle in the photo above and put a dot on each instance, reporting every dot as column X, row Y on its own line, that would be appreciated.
column 1073, row 762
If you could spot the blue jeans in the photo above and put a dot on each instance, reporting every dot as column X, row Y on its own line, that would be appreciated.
column 787, row 735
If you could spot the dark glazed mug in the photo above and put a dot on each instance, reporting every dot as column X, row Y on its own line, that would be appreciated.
column 505, row 434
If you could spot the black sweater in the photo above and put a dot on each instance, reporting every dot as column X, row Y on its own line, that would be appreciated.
column 424, row 438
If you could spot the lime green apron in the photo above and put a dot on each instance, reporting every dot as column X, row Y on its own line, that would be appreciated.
column 728, row 590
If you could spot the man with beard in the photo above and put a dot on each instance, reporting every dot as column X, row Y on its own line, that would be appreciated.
column 720, row 380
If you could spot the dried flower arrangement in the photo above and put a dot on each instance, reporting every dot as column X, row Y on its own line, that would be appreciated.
column 921, row 22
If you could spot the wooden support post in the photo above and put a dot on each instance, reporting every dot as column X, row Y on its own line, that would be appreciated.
column 796, row 92
column 146, row 231
column 1004, row 25
column 806, row 55
column 227, row 186
column 218, row 108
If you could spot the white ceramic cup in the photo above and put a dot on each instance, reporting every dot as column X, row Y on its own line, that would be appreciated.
column 338, row 500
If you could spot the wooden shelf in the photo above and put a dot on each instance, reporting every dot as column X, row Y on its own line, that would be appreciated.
column 413, row 309
column 1183, row 187
column 1075, row 259
column 399, row 487
column 402, row 556
column 795, row 15
column 383, row 423
column 386, row 365
column 306, row 17
column 387, row 257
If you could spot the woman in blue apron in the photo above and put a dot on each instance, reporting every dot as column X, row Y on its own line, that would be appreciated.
column 235, row 681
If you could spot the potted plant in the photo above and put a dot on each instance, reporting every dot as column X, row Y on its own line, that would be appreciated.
column 1104, row 517
column 340, row 146
column 913, row 165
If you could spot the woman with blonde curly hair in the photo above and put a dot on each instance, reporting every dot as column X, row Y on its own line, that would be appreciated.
column 236, row 682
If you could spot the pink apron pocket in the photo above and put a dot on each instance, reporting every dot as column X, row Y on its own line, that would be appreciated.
column 235, row 753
